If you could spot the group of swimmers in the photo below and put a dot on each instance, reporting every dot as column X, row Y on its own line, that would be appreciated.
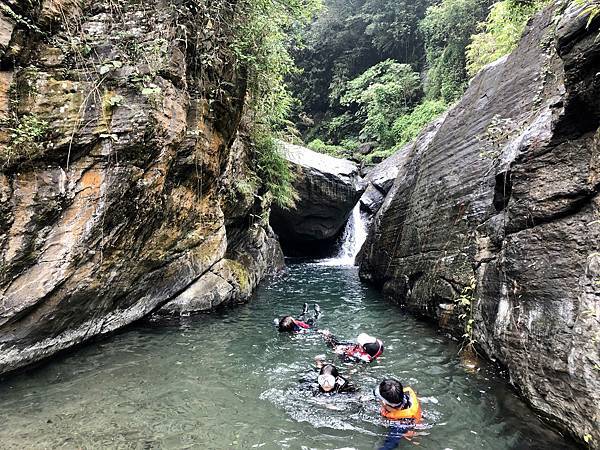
column 398, row 404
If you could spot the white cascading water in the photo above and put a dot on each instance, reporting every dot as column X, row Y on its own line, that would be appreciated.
column 353, row 238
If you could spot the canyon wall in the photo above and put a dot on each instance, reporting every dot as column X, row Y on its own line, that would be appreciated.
column 122, row 148
column 492, row 225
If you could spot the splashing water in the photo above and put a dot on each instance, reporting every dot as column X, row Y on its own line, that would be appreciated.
column 353, row 238
column 229, row 380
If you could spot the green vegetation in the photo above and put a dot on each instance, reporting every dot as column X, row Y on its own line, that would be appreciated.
column 261, row 48
column 380, row 95
column 591, row 9
column 343, row 150
column 465, row 303
column 273, row 170
column 26, row 140
column 408, row 126
column 447, row 29
column 500, row 33
column 381, row 71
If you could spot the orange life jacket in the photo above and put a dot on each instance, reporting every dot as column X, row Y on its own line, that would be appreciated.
column 412, row 412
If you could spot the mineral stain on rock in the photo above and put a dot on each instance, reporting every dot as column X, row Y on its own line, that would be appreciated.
column 114, row 201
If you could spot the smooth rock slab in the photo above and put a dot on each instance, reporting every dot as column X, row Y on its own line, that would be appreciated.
column 328, row 188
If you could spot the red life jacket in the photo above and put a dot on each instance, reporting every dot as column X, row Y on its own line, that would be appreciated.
column 301, row 324
column 357, row 352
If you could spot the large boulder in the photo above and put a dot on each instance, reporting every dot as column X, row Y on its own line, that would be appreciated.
column 328, row 188
column 492, row 225
column 119, row 195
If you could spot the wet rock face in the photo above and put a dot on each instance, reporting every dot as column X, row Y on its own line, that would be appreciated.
column 117, row 189
column 380, row 178
column 328, row 188
column 504, row 196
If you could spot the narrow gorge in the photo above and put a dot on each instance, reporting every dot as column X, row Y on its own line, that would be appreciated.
column 135, row 195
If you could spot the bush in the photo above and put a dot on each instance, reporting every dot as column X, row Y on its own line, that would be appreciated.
column 408, row 126
column 500, row 33
column 273, row 170
column 261, row 48
column 382, row 93
column 26, row 140
column 447, row 28
column 338, row 151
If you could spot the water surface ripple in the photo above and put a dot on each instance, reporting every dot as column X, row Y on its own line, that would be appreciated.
column 229, row 380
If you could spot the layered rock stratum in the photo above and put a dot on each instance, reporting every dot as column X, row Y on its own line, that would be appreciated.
column 121, row 146
column 327, row 188
column 492, row 225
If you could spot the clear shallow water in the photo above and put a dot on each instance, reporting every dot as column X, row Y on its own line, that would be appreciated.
column 229, row 380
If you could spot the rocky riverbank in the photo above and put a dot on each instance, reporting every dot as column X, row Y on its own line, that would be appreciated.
column 119, row 172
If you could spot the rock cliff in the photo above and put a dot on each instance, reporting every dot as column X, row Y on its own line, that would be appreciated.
column 492, row 226
column 122, row 145
column 328, row 188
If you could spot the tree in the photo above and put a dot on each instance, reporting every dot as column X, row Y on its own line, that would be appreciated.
column 447, row 29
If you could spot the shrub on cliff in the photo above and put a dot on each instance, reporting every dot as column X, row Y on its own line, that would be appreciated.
column 500, row 33
column 261, row 48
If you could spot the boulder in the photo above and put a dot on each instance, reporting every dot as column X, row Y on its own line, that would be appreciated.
column 501, row 205
column 328, row 188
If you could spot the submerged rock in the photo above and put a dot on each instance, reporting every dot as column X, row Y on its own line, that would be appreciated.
column 501, row 206
column 328, row 188
column 120, row 196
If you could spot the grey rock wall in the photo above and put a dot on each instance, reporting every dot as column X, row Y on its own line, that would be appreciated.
column 504, row 195
column 328, row 188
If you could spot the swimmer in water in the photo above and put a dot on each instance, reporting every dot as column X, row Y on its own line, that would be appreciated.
column 401, row 406
column 366, row 348
column 331, row 382
column 291, row 325
column 328, row 381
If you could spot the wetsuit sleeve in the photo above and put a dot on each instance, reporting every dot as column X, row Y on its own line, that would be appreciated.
column 397, row 431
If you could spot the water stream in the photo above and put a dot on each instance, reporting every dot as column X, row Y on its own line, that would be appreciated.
column 229, row 380
column 353, row 237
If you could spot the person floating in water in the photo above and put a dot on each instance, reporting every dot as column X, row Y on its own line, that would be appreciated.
column 331, row 382
column 291, row 325
column 328, row 381
column 401, row 406
column 366, row 348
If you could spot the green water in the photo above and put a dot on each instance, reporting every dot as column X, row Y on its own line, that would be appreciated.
column 229, row 380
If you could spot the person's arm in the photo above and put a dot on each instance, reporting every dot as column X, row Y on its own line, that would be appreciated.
column 331, row 340
column 395, row 435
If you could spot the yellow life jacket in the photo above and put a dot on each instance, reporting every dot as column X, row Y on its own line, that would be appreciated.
column 412, row 412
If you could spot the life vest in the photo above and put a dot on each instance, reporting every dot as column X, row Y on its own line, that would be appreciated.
column 300, row 326
column 412, row 412
column 357, row 352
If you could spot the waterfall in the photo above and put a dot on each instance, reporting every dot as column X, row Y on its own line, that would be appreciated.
column 354, row 236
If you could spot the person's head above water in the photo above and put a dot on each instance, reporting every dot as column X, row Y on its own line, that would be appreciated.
column 287, row 323
column 327, row 377
column 372, row 346
column 390, row 392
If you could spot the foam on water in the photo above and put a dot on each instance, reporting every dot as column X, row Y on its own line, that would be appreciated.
column 353, row 238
